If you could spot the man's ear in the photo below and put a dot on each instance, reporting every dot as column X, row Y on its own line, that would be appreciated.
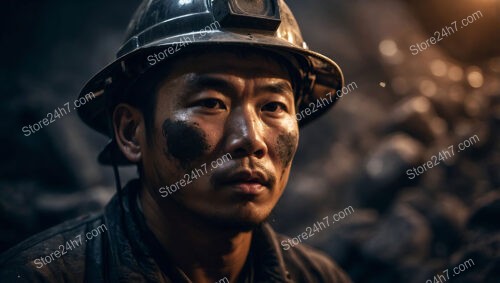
column 128, row 124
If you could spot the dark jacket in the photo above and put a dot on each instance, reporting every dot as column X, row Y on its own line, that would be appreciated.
column 118, row 247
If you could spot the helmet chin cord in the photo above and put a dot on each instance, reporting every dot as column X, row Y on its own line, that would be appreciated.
column 112, row 275
column 112, row 152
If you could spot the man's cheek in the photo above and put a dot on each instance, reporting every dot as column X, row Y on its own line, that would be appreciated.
column 184, row 142
column 286, row 147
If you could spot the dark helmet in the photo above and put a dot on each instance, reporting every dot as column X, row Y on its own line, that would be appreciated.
column 160, row 28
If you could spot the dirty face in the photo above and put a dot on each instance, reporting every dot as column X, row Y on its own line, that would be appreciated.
column 225, row 127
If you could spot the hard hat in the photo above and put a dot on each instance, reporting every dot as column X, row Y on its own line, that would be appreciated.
column 161, row 28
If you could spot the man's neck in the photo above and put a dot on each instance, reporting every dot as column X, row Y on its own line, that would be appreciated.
column 202, row 252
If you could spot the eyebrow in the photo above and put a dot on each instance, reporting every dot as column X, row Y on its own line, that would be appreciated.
column 202, row 82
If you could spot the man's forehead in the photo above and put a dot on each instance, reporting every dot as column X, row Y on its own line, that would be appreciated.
column 247, row 63
column 223, row 69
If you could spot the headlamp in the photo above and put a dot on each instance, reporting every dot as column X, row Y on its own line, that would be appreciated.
column 252, row 14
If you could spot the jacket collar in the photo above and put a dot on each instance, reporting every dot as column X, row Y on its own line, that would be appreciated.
column 140, row 251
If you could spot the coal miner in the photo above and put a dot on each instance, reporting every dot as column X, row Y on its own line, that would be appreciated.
column 203, row 100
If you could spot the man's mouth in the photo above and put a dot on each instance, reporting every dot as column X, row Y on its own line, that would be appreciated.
column 246, row 181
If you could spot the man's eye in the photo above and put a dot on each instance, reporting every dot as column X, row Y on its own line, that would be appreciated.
column 276, row 107
column 211, row 103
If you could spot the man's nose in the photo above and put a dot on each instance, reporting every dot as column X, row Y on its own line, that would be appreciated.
column 245, row 135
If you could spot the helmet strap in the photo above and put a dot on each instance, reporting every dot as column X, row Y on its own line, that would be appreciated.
column 113, row 157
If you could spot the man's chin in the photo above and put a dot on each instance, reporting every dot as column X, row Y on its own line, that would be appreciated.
column 240, row 226
column 239, row 219
column 237, row 223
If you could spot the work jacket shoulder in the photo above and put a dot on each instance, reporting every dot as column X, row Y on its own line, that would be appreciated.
column 58, row 254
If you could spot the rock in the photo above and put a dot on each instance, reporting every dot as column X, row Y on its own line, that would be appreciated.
column 384, row 170
column 403, row 236
column 486, row 213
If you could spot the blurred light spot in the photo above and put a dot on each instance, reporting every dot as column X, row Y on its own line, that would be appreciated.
column 493, row 85
column 455, row 73
column 375, row 167
column 185, row 2
column 388, row 47
column 400, row 85
column 457, row 93
column 475, row 77
column 421, row 104
column 439, row 68
column 474, row 106
column 495, row 64
column 463, row 128
column 428, row 88
column 438, row 126
column 382, row 84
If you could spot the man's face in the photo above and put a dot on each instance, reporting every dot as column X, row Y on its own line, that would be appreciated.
column 211, row 105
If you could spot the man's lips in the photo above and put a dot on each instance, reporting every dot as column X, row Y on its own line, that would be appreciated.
column 248, row 188
column 246, row 181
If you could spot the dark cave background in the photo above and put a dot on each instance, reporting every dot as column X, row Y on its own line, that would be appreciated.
column 405, row 110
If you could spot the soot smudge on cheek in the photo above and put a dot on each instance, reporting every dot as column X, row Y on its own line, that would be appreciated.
column 184, row 142
column 286, row 148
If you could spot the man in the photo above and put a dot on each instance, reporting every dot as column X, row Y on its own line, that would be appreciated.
column 208, row 115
